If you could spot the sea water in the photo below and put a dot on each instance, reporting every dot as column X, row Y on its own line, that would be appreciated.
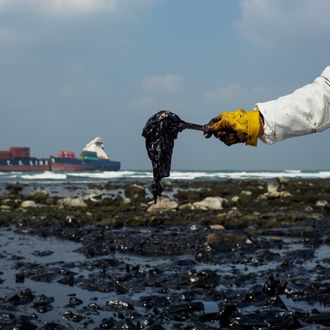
column 130, row 175
column 67, row 184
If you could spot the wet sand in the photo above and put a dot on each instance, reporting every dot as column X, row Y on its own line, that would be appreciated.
column 255, row 255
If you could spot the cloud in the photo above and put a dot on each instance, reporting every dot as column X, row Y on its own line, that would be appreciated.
column 58, row 5
column 226, row 95
column 164, row 84
column 270, row 23
column 69, row 7
column 62, row 6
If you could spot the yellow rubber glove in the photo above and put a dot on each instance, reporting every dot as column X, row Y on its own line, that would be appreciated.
column 239, row 126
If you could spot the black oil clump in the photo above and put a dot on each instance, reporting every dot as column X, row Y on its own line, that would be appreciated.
column 160, row 132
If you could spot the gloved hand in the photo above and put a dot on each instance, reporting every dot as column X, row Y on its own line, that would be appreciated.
column 239, row 126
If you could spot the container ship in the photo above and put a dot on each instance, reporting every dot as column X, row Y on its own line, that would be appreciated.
column 92, row 158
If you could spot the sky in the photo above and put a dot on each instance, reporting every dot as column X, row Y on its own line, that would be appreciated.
column 72, row 70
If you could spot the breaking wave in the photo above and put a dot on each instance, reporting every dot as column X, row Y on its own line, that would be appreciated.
column 44, row 176
column 147, row 175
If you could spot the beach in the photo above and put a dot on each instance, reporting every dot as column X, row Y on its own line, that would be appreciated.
column 236, row 252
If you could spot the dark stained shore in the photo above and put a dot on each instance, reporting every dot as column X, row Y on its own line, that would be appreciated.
column 249, row 254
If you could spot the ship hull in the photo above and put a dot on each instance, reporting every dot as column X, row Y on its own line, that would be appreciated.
column 24, row 165
column 57, row 164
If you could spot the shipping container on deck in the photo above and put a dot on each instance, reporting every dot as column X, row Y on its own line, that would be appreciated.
column 66, row 154
column 89, row 155
column 19, row 152
column 4, row 154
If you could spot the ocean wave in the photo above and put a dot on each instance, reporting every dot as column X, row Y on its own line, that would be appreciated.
column 175, row 175
column 324, row 174
column 249, row 175
column 44, row 176
column 293, row 171
column 110, row 175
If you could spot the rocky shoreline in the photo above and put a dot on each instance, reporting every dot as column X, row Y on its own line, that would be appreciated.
column 231, row 203
column 238, row 254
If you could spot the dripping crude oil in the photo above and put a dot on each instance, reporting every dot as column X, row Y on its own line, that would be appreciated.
column 160, row 132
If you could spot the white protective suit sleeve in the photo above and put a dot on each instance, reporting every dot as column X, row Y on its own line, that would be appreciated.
column 305, row 111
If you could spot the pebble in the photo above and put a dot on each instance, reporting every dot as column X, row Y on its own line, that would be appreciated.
column 29, row 204
column 163, row 205
column 211, row 203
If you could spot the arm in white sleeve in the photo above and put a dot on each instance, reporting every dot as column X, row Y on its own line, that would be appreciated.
column 305, row 111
